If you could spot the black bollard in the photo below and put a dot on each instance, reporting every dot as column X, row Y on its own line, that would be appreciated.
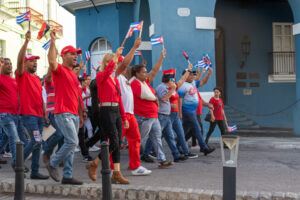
column 229, row 183
column 19, row 169
column 106, row 181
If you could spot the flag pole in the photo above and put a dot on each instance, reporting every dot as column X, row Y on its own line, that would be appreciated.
column 122, row 45
column 141, row 30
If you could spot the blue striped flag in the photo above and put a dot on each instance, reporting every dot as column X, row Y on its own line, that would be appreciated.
column 232, row 128
column 47, row 45
column 24, row 17
column 204, row 62
column 157, row 40
column 137, row 53
column 137, row 26
column 87, row 55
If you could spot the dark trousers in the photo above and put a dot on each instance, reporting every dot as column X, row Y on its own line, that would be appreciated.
column 92, row 118
column 190, row 133
column 111, row 128
column 96, row 137
column 221, row 125
column 83, row 148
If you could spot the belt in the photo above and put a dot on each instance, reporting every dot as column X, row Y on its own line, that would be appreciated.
column 108, row 104
column 164, row 115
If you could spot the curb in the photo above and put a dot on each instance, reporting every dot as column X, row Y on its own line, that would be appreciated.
column 128, row 192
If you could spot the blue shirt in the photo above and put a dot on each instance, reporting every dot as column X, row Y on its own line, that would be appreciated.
column 188, row 91
column 164, row 106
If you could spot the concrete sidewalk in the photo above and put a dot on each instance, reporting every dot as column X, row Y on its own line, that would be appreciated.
column 267, row 167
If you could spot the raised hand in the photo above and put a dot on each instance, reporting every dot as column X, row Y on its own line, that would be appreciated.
column 53, row 36
column 28, row 36
column 163, row 53
column 137, row 43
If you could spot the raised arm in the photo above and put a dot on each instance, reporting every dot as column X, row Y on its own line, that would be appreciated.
column 180, row 107
column 200, row 74
column 205, row 79
column 155, row 69
column 129, row 57
column 21, row 56
column 168, row 95
column 52, row 52
column 185, row 76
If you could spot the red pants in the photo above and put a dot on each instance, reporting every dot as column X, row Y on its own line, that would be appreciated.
column 133, row 137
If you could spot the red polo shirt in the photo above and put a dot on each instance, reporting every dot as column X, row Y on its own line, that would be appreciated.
column 174, row 100
column 8, row 95
column 218, row 107
column 30, row 92
column 66, row 86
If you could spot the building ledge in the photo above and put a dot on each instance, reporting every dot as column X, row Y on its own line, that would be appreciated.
column 282, row 78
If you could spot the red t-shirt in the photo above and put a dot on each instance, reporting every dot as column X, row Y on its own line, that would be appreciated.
column 30, row 93
column 8, row 95
column 66, row 86
column 143, row 107
column 109, row 90
column 199, row 109
column 174, row 100
column 218, row 107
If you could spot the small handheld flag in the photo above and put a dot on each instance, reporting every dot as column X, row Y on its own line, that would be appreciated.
column 204, row 62
column 232, row 128
column 137, row 53
column 137, row 26
column 47, row 45
column 25, row 17
column 157, row 40
column 186, row 56
column 87, row 55
column 44, row 29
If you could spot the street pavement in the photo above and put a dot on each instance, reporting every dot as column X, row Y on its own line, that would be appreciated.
column 264, row 164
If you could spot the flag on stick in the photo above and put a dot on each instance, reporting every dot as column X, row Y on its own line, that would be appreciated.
column 47, row 45
column 25, row 17
column 232, row 128
column 157, row 40
column 137, row 53
column 44, row 29
column 186, row 56
column 137, row 26
column 204, row 62
column 87, row 55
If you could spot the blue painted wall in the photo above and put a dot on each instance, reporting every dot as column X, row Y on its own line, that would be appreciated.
column 255, row 22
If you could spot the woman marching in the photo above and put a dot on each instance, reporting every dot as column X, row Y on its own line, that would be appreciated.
column 217, row 114
column 111, row 115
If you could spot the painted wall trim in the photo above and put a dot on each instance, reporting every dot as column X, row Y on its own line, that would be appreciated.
column 151, row 30
column 282, row 78
column 145, row 45
column 207, row 23
column 296, row 29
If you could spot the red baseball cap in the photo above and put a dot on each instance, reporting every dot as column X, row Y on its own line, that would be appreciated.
column 169, row 72
column 30, row 57
column 70, row 49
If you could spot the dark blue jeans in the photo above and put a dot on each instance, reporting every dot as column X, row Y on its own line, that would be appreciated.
column 8, row 124
column 190, row 122
column 178, row 129
column 34, row 125
column 21, row 131
column 56, row 138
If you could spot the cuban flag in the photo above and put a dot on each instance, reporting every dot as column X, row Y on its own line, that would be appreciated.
column 185, row 55
column 87, row 55
column 25, row 17
column 93, row 71
column 47, row 45
column 137, row 26
column 232, row 128
column 157, row 40
column 204, row 62
column 137, row 53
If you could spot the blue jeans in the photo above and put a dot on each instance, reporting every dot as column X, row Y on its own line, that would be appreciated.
column 177, row 127
column 152, row 127
column 8, row 124
column 21, row 131
column 33, row 124
column 56, row 138
column 68, row 124
column 190, row 122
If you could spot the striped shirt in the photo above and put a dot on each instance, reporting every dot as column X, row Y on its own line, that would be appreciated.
column 49, row 86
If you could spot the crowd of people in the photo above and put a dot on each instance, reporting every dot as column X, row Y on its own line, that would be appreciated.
column 120, row 103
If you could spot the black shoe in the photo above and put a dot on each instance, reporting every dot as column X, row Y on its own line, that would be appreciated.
column 38, row 176
column 191, row 155
column 181, row 158
column 3, row 161
column 208, row 151
column 87, row 159
column 53, row 173
column 71, row 181
column 147, row 159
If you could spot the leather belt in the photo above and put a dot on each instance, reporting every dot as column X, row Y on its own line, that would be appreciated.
column 108, row 104
column 164, row 115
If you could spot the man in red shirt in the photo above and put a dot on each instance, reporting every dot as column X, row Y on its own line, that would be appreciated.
column 8, row 108
column 31, row 105
column 67, row 111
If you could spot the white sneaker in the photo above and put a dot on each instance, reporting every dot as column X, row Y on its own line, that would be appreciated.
column 141, row 171
column 76, row 150
column 94, row 148
column 7, row 155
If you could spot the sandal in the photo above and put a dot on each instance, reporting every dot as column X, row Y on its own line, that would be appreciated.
column 165, row 164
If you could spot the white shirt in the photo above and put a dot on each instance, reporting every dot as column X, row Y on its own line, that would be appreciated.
column 44, row 94
column 88, row 101
column 127, row 95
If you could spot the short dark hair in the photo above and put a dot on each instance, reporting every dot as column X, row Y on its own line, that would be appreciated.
column 166, row 78
column 6, row 59
column 136, row 69
column 218, row 88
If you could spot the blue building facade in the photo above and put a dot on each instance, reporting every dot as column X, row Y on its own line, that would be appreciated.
column 252, row 44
